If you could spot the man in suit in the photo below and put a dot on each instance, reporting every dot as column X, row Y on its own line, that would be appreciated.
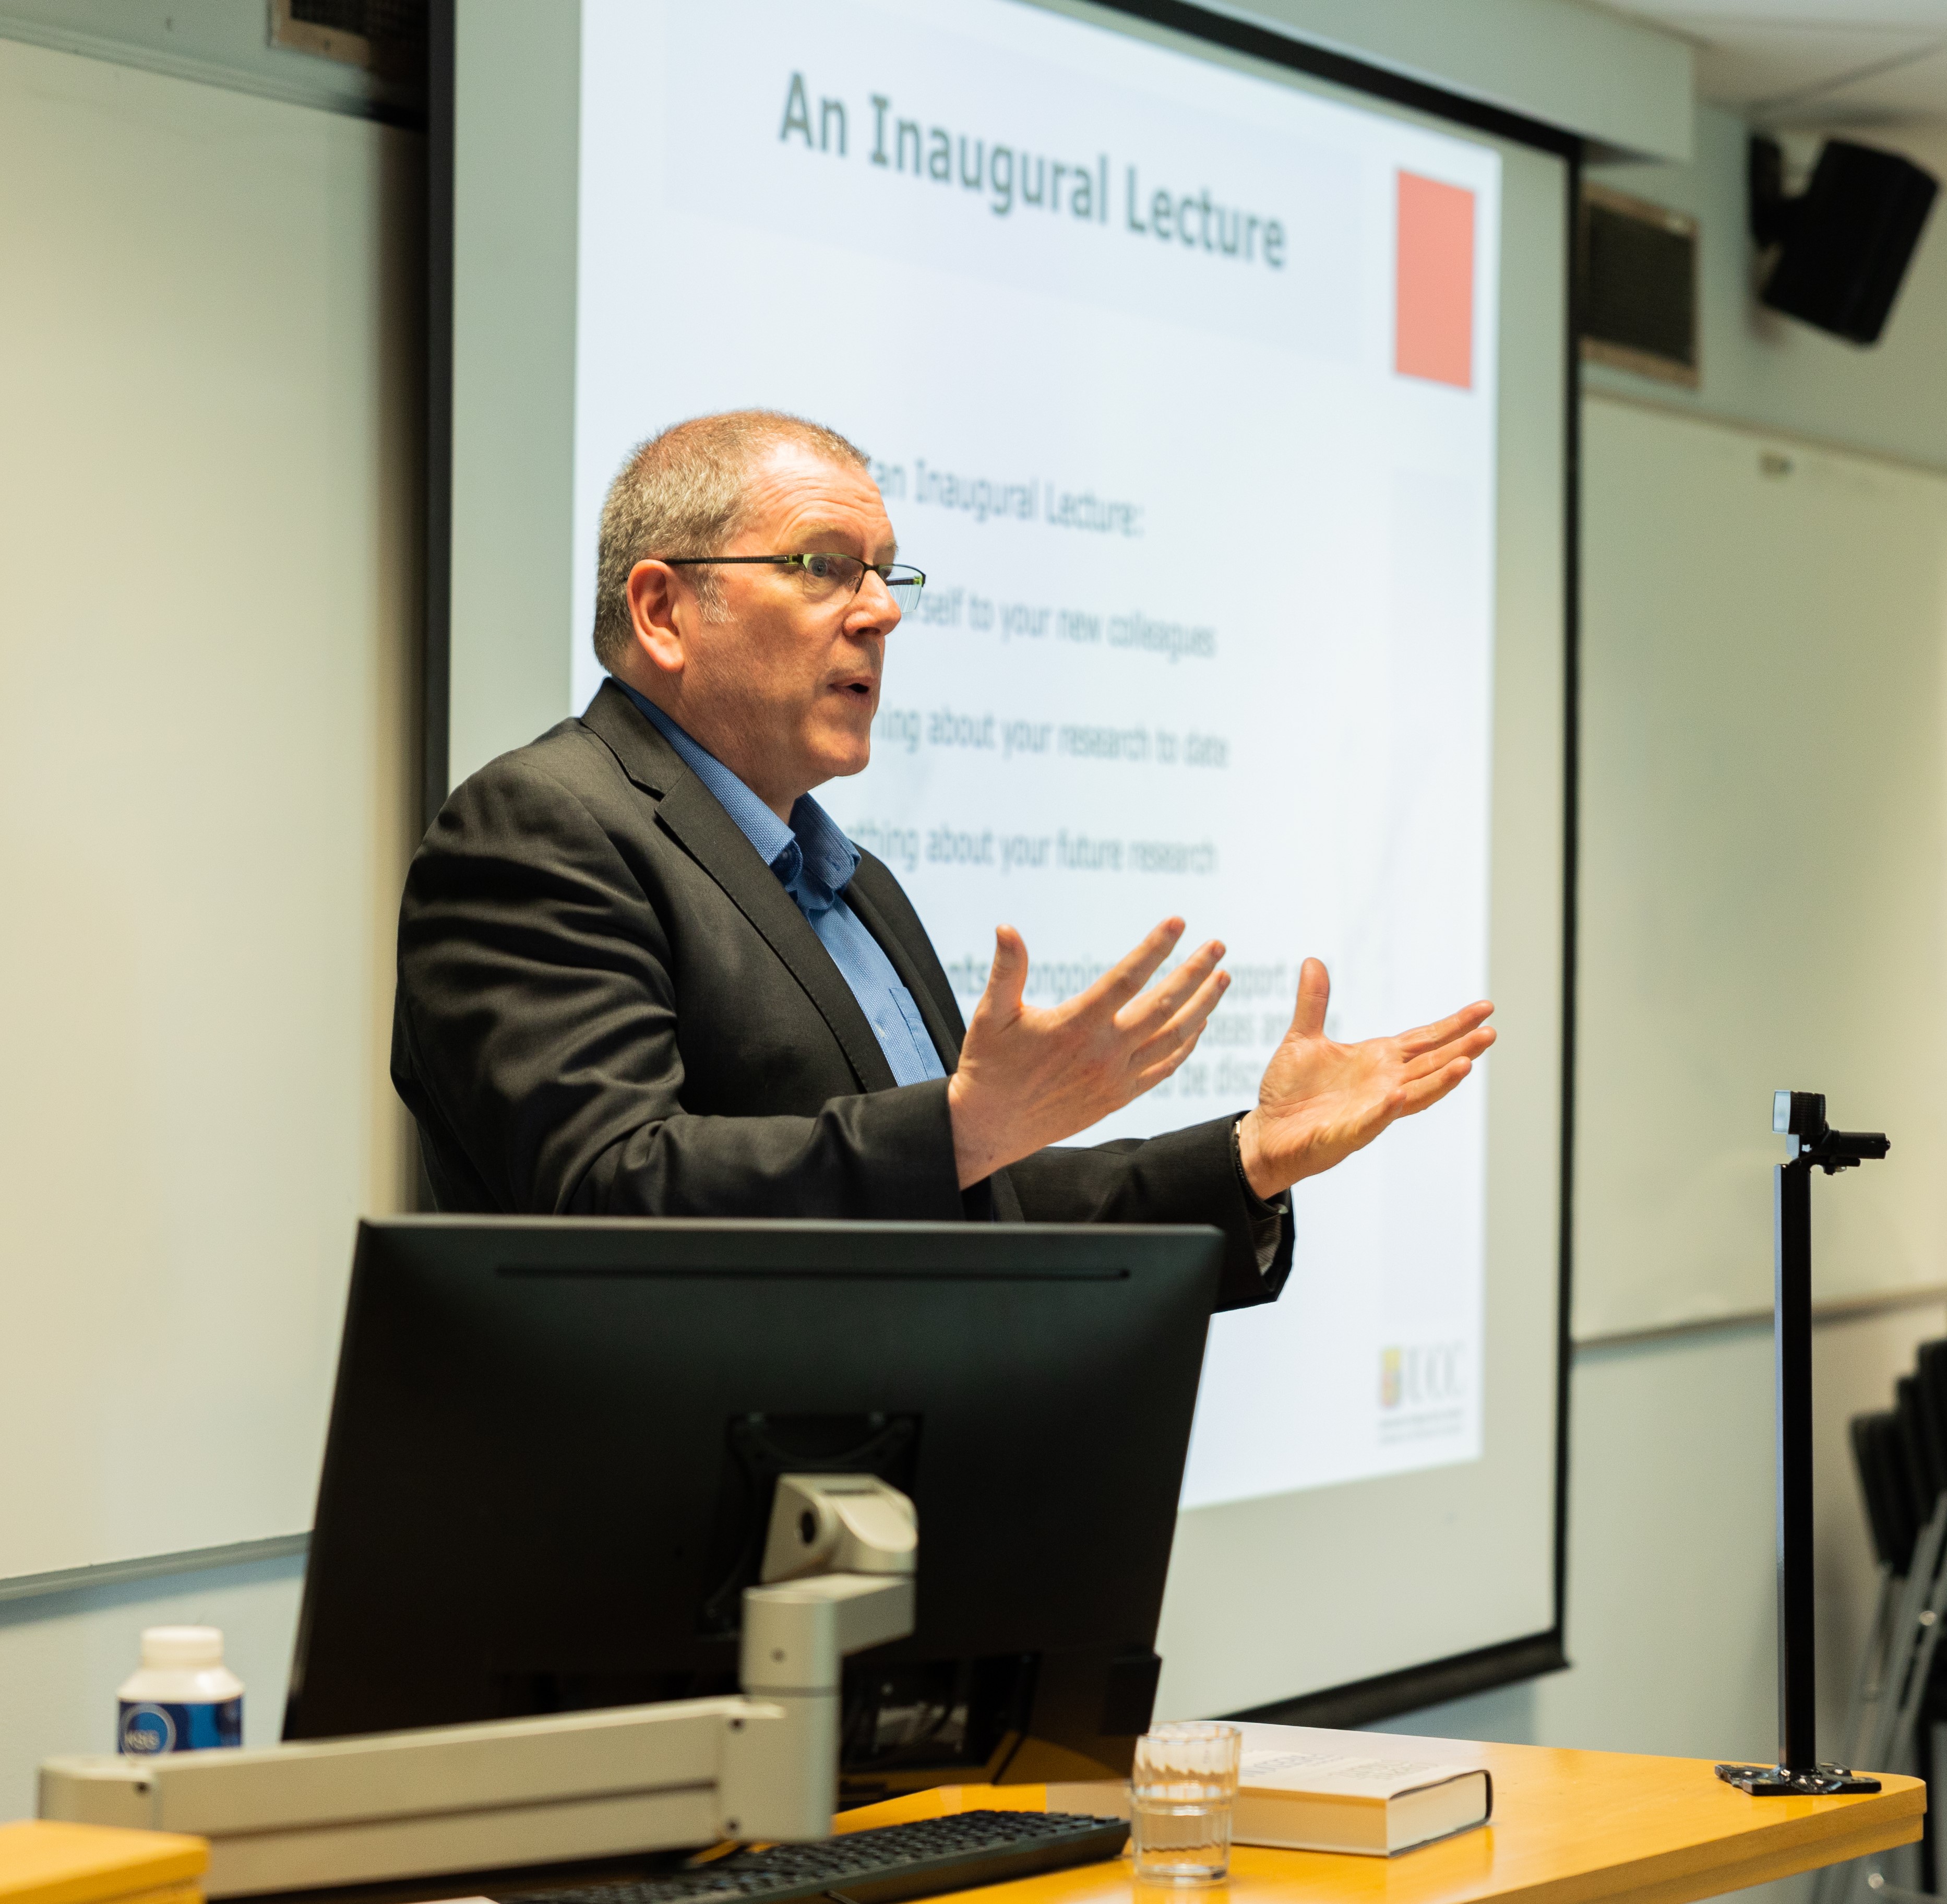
column 641, row 971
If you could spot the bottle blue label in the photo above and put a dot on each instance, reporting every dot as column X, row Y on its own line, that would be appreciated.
column 151, row 1726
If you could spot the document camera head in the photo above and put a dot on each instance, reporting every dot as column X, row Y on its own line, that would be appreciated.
column 839, row 1523
column 1800, row 1114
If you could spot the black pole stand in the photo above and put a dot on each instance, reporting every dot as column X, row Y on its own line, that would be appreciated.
column 1800, row 1115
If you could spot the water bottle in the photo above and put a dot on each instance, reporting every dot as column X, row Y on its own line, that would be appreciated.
column 184, row 1698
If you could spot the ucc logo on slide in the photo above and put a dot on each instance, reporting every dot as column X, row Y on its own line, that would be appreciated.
column 1425, row 1374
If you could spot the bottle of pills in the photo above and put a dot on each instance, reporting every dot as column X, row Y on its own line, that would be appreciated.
column 184, row 1698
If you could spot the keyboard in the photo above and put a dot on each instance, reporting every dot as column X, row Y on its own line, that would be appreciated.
column 876, row 1867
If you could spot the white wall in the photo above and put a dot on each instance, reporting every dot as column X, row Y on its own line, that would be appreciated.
column 516, row 142
column 209, row 484
column 1764, row 633
column 206, row 716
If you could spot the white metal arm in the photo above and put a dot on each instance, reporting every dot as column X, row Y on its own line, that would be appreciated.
column 763, row 1765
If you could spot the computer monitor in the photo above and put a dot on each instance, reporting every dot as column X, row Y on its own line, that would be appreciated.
column 554, row 1443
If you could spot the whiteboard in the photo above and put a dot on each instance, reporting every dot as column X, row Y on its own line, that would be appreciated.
column 206, row 606
column 1763, row 868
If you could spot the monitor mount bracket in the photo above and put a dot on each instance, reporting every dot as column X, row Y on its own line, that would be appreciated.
column 1800, row 1116
column 836, row 1577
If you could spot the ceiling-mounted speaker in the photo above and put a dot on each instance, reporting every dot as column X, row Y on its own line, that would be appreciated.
column 1845, row 242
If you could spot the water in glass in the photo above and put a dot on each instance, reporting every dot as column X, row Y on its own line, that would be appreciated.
column 1181, row 1793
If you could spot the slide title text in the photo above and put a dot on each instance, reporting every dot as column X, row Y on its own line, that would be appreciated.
column 1012, row 178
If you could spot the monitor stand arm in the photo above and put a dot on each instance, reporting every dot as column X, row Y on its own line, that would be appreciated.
column 837, row 1577
column 780, row 1777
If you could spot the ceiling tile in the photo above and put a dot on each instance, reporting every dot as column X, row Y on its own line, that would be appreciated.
column 1800, row 61
column 1845, row 15
column 1742, row 65
column 1915, row 91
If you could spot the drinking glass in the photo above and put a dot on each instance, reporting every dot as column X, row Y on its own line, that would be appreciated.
column 1180, row 1796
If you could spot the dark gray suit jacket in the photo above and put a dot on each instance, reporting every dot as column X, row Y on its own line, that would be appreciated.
column 608, row 1005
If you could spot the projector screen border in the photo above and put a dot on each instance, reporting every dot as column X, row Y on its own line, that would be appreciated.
column 1317, row 61
column 1357, row 1702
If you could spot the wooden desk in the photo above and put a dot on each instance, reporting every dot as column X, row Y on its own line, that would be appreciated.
column 1569, row 1828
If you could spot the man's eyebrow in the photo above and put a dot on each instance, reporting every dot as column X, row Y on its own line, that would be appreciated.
column 807, row 540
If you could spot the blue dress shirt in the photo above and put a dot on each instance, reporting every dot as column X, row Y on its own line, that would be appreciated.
column 814, row 862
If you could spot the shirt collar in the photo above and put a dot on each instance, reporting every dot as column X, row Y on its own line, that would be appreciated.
column 812, row 857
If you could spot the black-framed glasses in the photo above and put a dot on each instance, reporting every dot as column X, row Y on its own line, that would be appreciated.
column 828, row 578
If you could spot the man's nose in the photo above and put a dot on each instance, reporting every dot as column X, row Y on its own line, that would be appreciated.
column 890, row 613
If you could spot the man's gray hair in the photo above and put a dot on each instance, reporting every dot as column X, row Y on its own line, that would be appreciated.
column 683, row 493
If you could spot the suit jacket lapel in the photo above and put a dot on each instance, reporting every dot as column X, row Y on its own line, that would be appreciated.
column 995, row 1201
column 945, row 1039
column 691, row 813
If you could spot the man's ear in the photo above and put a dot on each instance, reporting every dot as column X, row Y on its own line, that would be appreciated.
column 659, row 610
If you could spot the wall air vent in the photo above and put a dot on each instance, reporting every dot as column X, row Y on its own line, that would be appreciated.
column 1639, row 277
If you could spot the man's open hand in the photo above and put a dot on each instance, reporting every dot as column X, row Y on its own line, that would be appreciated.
column 1320, row 1102
column 1028, row 1077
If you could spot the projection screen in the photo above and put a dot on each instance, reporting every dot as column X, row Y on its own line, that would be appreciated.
column 1219, row 387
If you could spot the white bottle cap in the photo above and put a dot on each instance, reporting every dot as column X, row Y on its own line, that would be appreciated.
column 192, row 1647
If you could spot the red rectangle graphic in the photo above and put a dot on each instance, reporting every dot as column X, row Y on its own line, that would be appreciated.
column 1433, row 319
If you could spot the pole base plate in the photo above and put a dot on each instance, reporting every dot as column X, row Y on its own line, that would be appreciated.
column 1774, row 1782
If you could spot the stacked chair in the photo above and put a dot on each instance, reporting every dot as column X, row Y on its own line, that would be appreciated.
column 1898, row 1695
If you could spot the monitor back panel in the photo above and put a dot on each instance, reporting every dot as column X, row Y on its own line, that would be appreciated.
column 553, row 1444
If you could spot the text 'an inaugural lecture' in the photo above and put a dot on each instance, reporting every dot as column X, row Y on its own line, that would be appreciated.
column 1012, row 178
